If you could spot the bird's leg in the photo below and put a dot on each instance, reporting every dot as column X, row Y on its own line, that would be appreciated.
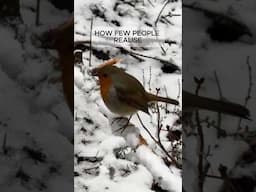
column 117, row 119
column 125, row 125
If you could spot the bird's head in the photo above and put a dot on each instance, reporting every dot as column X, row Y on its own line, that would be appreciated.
column 106, row 70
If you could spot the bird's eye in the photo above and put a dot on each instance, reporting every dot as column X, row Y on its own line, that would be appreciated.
column 105, row 75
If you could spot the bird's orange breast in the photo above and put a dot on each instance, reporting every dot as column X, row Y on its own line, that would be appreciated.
column 105, row 84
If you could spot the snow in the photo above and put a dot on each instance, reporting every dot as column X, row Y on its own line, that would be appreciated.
column 32, row 122
column 97, row 131
column 169, row 179
column 40, row 124
column 124, row 184
column 203, row 57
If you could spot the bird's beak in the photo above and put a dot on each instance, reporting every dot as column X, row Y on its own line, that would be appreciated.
column 94, row 72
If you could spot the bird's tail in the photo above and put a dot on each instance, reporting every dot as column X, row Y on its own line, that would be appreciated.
column 152, row 97
column 195, row 101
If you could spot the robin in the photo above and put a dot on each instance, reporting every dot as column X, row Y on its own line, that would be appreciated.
column 122, row 93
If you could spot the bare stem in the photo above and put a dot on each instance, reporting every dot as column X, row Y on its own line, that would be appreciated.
column 161, row 11
column 248, row 96
column 90, row 56
column 220, row 96
column 201, row 147
column 158, row 143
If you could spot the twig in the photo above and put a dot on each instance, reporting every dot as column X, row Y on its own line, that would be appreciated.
column 88, row 169
column 149, row 80
column 158, row 143
column 248, row 96
column 159, row 126
column 213, row 125
column 158, row 121
column 90, row 56
column 170, row 14
column 146, row 129
column 179, row 88
column 150, row 57
column 214, row 177
column 220, row 96
column 178, row 95
column 218, row 84
column 123, row 127
column 151, row 3
column 37, row 12
column 166, row 104
column 201, row 144
column 159, row 15
column 157, row 19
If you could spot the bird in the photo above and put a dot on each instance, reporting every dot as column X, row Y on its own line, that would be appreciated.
column 122, row 93
column 192, row 101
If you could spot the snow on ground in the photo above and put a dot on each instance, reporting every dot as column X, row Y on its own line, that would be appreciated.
column 35, row 122
column 203, row 57
column 104, row 159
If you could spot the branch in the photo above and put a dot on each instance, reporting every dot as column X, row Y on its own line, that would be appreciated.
column 248, row 96
column 166, row 3
column 201, row 143
column 90, row 56
column 162, row 174
column 220, row 96
column 159, row 144
column 174, row 67
column 135, row 54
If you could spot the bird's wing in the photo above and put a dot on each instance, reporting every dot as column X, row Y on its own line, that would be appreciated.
column 127, row 82
column 133, row 99
column 130, row 91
